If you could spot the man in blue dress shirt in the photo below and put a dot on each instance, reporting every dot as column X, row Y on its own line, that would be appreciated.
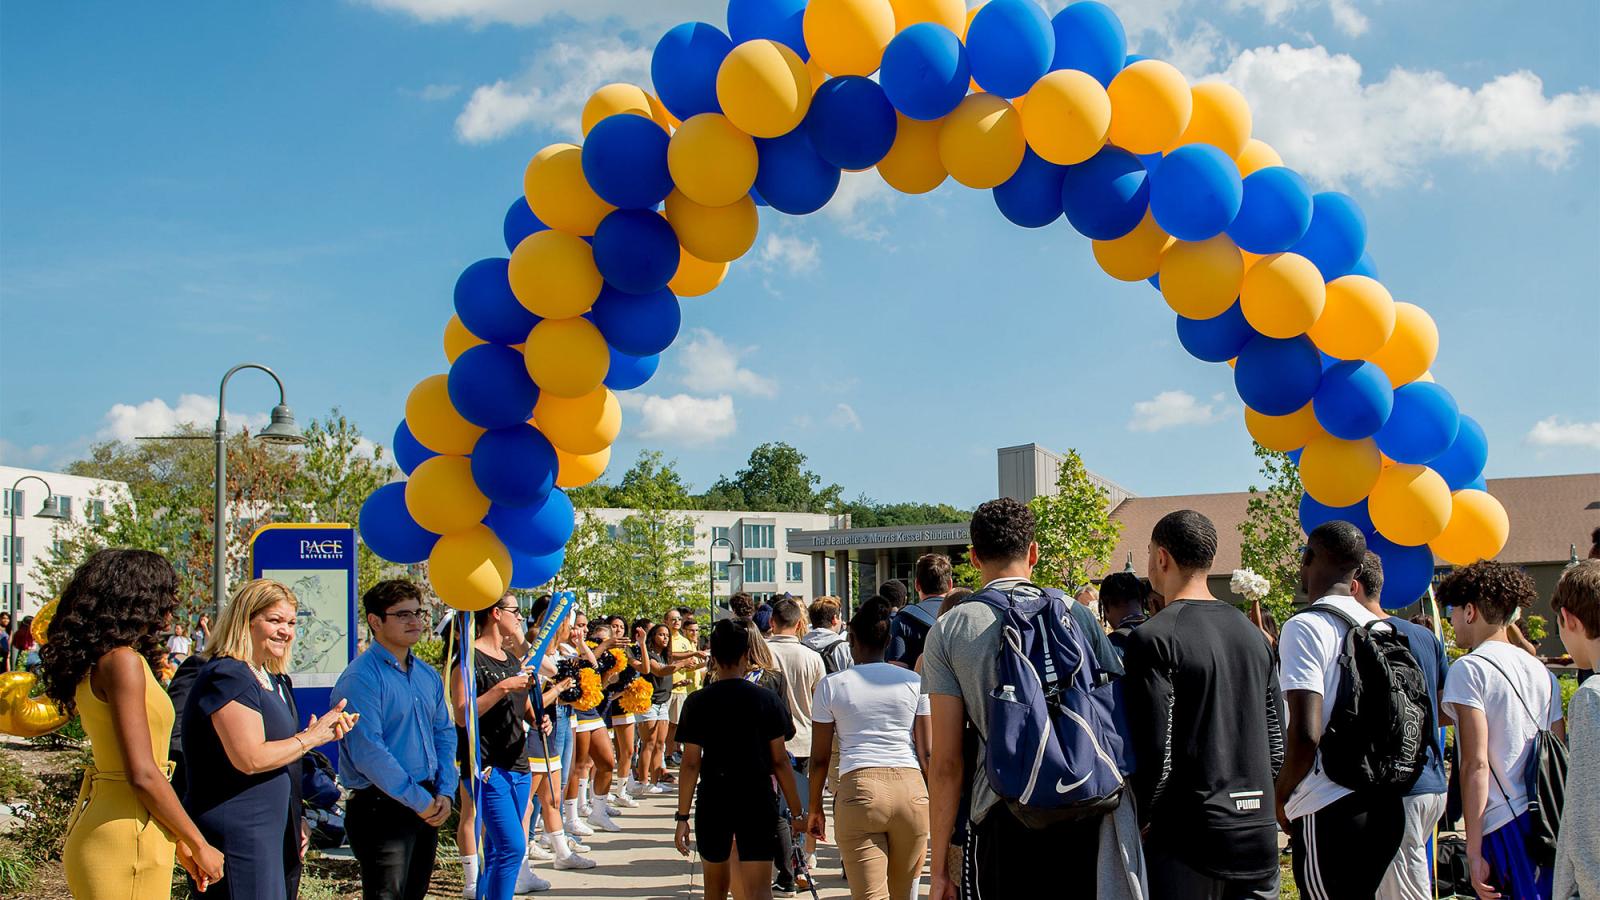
column 399, row 761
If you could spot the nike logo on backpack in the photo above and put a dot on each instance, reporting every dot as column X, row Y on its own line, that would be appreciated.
column 1064, row 788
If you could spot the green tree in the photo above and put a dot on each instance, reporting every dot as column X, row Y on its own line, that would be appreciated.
column 335, row 476
column 774, row 479
column 865, row 512
column 1270, row 535
column 1076, row 533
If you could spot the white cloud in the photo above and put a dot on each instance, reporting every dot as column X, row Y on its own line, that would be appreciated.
column 531, row 12
column 551, row 92
column 860, row 196
column 844, row 416
column 1348, row 18
column 155, row 417
column 709, row 364
column 25, row 456
column 1175, row 409
column 435, row 92
column 793, row 254
column 1558, row 431
column 1312, row 106
column 682, row 419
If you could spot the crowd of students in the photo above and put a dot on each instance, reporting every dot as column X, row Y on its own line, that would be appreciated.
column 1155, row 750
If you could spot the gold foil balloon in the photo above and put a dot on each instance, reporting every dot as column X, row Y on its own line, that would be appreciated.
column 41, row 621
column 21, row 713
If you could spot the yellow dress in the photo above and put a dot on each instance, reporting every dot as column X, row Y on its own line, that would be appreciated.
column 115, row 850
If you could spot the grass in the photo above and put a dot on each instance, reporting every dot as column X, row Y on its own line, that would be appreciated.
column 17, row 872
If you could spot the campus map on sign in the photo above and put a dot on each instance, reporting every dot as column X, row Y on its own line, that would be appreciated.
column 320, row 645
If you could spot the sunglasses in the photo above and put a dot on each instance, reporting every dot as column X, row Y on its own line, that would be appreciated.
column 403, row 615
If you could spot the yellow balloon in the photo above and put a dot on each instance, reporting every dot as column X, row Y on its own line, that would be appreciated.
column 1201, row 279
column 23, row 714
column 442, row 496
column 575, row 470
column 1477, row 529
column 712, row 162
column 1282, row 295
column 764, row 88
column 1410, row 504
column 42, row 619
column 1136, row 255
column 952, row 14
column 1221, row 118
column 1256, row 155
column 714, row 233
column 1282, row 433
column 967, row 25
column 847, row 37
column 559, row 194
column 553, row 274
column 580, row 425
column 696, row 277
column 457, row 339
column 470, row 569
column 1412, row 347
column 1150, row 107
column 981, row 143
column 658, row 112
column 1358, row 319
column 1338, row 472
column 434, row 422
column 566, row 357
column 912, row 165
column 614, row 100
column 1067, row 116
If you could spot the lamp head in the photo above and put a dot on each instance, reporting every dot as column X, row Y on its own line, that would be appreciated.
column 282, row 429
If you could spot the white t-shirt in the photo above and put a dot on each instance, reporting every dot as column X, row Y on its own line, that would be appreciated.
column 872, row 707
column 178, row 645
column 1308, row 653
column 1473, row 682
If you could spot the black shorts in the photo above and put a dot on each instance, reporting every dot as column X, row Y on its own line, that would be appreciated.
column 754, row 824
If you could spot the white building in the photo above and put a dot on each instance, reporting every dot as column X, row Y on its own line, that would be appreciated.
column 80, row 500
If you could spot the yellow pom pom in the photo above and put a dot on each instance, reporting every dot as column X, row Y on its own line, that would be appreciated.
column 981, row 143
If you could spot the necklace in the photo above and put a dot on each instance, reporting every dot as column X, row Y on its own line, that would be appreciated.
column 261, row 676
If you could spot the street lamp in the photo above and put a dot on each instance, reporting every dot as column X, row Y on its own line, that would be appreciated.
column 50, row 510
column 733, row 561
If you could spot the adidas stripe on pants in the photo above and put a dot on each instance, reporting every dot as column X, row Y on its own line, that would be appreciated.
column 1342, row 850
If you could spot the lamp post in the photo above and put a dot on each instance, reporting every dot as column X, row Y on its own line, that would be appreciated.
column 50, row 510
column 733, row 560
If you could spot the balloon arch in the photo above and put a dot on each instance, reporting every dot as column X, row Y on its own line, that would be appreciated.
column 1050, row 115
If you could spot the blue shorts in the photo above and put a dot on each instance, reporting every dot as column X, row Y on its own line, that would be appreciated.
column 656, row 713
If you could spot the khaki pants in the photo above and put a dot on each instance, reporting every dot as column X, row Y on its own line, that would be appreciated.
column 880, row 821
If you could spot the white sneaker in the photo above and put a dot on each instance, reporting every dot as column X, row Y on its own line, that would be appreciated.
column 528, row 882
column 575, row 861
column 626, row 802
column 599, row 819
column 658, row 789
column 611, row 809
column 539, row 849
column 584, row 809
column 573, row 844
column 634, row 786
column 469, row 889
column 576, row 827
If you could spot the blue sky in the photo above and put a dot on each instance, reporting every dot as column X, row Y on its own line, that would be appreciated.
column 299, row 184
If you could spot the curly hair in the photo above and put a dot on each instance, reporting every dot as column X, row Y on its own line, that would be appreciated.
column 1496, row 589
column 117, row 598
column 1002, row 530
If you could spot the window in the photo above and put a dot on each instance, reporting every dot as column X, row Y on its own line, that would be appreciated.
column 795, row 571
column 687, row 537
column 718, row 533
column 95, row 510
column 58, row 548
column 764, row 571
column 721, row 570
column 64, row 504
column 611, row 532
column 11, row 545
column 13, row 499
column 758, row 537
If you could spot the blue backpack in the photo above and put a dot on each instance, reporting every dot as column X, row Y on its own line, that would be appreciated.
column 1057, row 744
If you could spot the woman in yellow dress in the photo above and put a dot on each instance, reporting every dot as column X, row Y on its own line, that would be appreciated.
column 127, row 824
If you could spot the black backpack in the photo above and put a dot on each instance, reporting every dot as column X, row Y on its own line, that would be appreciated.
column 913, row 622
column 829, row 664
column 1546, row 783
column 1377, row 734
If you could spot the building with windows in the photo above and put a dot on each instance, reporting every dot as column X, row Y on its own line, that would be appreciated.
column 77, row 500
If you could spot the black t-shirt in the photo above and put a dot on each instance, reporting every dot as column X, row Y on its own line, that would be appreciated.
column 1204, row 708
column 501, row 732
column 661, row 685
column 735, row 723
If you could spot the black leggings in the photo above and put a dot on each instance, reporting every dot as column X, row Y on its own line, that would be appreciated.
column 1342, row 850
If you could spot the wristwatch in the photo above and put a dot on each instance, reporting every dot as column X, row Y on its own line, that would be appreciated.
column 680, row 817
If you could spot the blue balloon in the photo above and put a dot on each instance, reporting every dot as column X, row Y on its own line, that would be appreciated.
column 1217, row 339
column 1011, row 44
column 1354, row 400
column 628, row 372
column 1152, row 161
column 756, row 196
column 772, row 20
column 1106, row 195
column 1089, row 38
column 1313, row 514
column 638, row 324
column 1477, row 484
column 1195, row 192
column 388, row 529
column 408, row 451
column 1365, row 266
column 529, row 572
column 1133, row 58
column 1407, row 571
column 1032, row 196
column 684, row 68
column 1276, row 376
column 851, row 123
column 520, row 222
column 487, row 307
column 1294, row 455
column 489, row 386
column 925, row 71
column 1424, row 423
column 1463, row 462
column 1336, row 237
column 514, row 466
column 533, row 530
column 792, row 176
column 625, row 161
column 1275, row 213
column 636, row 250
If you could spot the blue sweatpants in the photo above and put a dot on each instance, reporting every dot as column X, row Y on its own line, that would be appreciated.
column 505, row 796
column 1510, row 868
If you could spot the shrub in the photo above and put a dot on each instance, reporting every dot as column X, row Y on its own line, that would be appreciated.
column 14, row 781
column 17, row 871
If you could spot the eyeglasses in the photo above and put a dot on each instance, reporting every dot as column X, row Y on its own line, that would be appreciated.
column 404, row 615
